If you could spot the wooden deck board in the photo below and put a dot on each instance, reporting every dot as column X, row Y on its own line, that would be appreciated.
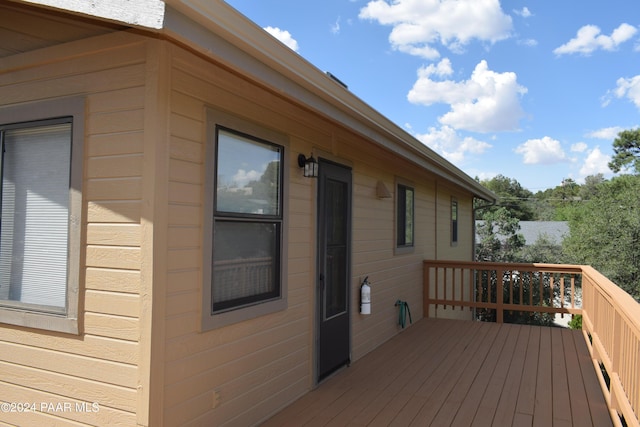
column 446, row 372
column 505, row 411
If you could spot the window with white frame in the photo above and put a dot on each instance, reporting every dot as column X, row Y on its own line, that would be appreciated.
column 245, row 222
column 40, row 209
column 404, row 216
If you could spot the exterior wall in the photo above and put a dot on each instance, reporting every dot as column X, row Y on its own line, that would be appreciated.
column 100, row 365
column 460, row 250
column 242, row 373
column 141, row 354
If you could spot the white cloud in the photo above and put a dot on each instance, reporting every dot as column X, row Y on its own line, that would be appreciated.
column 485, row 176
column 545, row 151
column 629, row 88
column 243, row 177
column 420, row 24
column 609, row 133
column 335, row 28
column 524, row 12
column 487, row 102
column 447, row 142
column 579, row 147
column 528, row 42
column 595, row 163
column 284, row 36
column 588, row 39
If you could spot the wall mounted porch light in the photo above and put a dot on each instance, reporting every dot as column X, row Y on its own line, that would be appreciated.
column 310, row 166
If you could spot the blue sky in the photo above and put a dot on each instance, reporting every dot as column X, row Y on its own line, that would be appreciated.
column 535, row 91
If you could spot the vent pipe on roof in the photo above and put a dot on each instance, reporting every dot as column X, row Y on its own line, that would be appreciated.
column 337, row 80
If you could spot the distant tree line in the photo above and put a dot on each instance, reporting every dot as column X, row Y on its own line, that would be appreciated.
column 603, row 217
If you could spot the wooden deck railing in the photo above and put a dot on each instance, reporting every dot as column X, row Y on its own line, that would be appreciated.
column 518, row 292
column 611, row 324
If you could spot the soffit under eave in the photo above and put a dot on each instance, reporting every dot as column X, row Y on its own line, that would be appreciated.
column 147, row 14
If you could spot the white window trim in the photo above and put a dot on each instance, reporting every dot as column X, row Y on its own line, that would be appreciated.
column 16, row 313
column 217, row 320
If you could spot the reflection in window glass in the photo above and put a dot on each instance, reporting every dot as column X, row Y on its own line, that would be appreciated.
column 248, row 175
column 247, row 223
column 454, row 221
column 335, row 297
column 245, row 260
column 404, row 216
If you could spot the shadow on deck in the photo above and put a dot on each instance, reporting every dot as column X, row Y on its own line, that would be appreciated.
column 461, row 373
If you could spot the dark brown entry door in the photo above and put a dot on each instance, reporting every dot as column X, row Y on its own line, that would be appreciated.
column 334, row 267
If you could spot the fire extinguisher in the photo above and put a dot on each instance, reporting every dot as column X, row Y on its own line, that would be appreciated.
column 365, row 297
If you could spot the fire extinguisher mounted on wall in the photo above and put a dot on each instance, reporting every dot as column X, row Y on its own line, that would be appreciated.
column 365, row 297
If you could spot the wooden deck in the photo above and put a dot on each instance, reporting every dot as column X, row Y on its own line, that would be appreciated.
column 460, row 373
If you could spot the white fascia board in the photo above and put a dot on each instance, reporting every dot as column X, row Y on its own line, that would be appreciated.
column 138, row 13
column 217, row 30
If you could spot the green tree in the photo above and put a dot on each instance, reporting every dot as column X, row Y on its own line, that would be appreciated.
column 499, row 241
column 543, row 250
column 590, row 187
column 605, row 232
column 626, row 149
column 511, row 196
column 498, row 238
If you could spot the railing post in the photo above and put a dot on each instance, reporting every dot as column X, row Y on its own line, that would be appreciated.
column 499, row 296
column 426, row 290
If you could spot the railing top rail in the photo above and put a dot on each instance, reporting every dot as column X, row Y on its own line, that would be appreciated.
column 482, row 265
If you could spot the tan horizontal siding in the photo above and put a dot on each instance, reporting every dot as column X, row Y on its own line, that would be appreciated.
column 105, row 416
column 65, row 386
column 184, row 149
column 113, row 257
column 187, row 237
column 71, row 84
column 112, row 280
column 115, row 144
column 128, row 211
column 112, row 326
column 114, row 234
column 90, row 346
column 105, row 371
column 100, row 364
column 112, row 303
column 110, row 166
column 116, row 188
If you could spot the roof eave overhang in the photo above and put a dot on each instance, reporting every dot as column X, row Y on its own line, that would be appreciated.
column 267, row 60
column 215, row 29
column 147, row 14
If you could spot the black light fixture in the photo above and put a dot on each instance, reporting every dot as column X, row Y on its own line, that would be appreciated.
column 310, row 166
